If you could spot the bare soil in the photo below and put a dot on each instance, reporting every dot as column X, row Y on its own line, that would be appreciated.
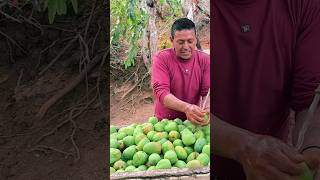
column 72, row 151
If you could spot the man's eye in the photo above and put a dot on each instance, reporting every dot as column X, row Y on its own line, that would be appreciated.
column 190, row 42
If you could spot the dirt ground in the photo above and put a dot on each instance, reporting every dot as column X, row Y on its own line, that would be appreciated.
column 70, row 141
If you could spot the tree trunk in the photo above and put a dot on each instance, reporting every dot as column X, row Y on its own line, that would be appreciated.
column 152, row 29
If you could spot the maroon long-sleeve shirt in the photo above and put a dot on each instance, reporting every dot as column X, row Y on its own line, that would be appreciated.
column 185, row 79
column 266, row 60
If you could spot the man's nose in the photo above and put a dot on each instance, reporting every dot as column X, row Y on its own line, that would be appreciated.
column 185, row 45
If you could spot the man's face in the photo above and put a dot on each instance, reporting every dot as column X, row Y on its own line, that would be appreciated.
column 184, row 43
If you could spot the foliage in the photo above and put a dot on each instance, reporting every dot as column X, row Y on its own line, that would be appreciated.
column 175, row 6
column 128, row 21
column 129, row 18
column 59, row 7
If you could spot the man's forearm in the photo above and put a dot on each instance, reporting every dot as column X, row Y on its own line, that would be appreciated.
column 228, row 140
column 171, row 102
column 312, row 133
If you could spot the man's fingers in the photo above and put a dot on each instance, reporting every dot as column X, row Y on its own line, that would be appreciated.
column 196, row 119
column 292, row 154
column 273, row 174
column 198, row 112
column 284, row 164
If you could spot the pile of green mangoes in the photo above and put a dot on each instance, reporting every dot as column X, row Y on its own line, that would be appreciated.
column 157, row 145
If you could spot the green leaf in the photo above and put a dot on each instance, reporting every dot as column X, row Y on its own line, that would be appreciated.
column 75, row 5
column 62, row 7
column 162, row 2
column 52, row 10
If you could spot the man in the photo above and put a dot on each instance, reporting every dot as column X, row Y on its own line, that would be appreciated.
column 267, row 61
column 181, row 76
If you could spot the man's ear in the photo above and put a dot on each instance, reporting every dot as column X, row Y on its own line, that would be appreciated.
column 171, row 39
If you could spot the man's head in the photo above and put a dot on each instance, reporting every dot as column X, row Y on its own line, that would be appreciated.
column 183, row 37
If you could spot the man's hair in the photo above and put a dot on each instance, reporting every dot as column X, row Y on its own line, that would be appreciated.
column 182, row 24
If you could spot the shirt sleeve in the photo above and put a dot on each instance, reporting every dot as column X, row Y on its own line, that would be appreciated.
column 306, row 71
column 205, row 85
column 160, row 79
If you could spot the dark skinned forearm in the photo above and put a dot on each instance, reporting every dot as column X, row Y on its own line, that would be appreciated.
column 171, row 102
column 226, row 137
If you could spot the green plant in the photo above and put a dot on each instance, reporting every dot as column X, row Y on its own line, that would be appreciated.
column 59, row 7
column 128, row 21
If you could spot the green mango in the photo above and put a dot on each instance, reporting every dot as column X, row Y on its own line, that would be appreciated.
column 171, row 156
column 181, row 127
column 129, row 163
column 150, row 135
column 163, row 164
column 159, row 127
column 181, row 153
column 204, row 159
column 147, row 127
column 153, row 120
column 139, row 137
column 114, row 136
column 139, row 158
column 159, row 135
column 119, row 165
column 199, row 144
column 121, row 135
column 114, row 143
column 120, row 171
column 142, row 168
column 199, row 134
column 152, row 168
column 206, row 149
column 129, row 152
column 165, row 121
column 173, row 135
column 152, row 147
column 192, row 156
column 171, row 126
column 153, row 159
column 115, row 155
column 141, row 144
column 180, row 164
column 187, row 137
column 129, row 130
column 194, row 164
column 206, row 117
column 163, row 140
column 307, row 175
column 122, row 146
column 166, row 146
column 128, row 141
column 188, row 149
column 130, row 169
column 113, row 129
column 178, row 121
column 177, row 142
column 137, row 131
column 112, row 170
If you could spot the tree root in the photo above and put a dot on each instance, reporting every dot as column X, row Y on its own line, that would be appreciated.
column 44, row 108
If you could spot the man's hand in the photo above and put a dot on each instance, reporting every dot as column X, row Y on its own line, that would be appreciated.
column 195, row 114
column 312, row 158
column 268, row 158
